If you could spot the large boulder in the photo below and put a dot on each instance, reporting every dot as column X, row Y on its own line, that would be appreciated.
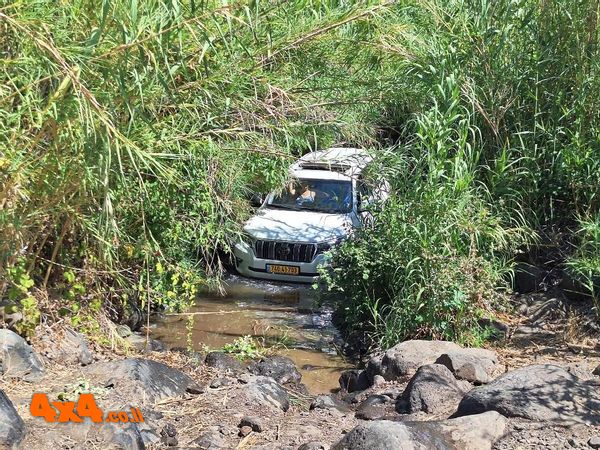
column 541, row 392
column 66, row 347
column 478, row 432
column 18, row 359
column 433, row 390
column 150, row 380
column 12, row 427
column 405, row 358
column 281, row 369
column 476, row 365
column 265, row 391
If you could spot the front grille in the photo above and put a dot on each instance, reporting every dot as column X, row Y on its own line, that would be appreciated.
column 285, row 251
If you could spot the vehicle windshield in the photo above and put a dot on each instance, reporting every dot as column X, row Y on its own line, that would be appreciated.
column 329, row 196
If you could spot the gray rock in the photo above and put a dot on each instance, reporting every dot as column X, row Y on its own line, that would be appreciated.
column 476, row 365
column 433, row 390
column 12, row 427
column 328, row 402
column 313, row 445
column 372, row 408
column 70, row 348
column 354, row 380
column 17, row 358
column 151, row 380
column 123, row 330
column 541, row 392
column 594, row 442
column 223, row 361
column 405, row 358
column 141, row 344
column 121, row 436
column 168, row 435
column 596, row 371
column 211, row 440
column 281, row 369
column 266, row 391
column 477, row 432
column 255, row 423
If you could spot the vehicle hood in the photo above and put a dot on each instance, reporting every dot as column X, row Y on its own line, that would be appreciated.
column 301, row 226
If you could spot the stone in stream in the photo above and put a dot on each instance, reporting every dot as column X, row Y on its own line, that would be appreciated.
column 150, row 380
column 476, row 365
column 223, row 361
column 477, row 432
column 354, row 380
column 433, row 390
column 542, row 392
column 18, row 359
column 405, row 358
column 280, row 368
column 12, row 427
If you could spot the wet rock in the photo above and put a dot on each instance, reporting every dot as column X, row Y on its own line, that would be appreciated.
column 314, row 445
column 255, row 423
column 433, row 390
column 168, row 435
column 149, row 379
column 211, row 440
column 594, row 442
column 477, row 432
column 541, row 392
column 328, row 402
column 12, row 427
column 475, row 365
column 373, row 408
column 405, row 358
column 223, row 361
column 266, row 391
column 281, row 369
column 18, row 359
column 354, row 380
column 70, row 348
column 141, row 344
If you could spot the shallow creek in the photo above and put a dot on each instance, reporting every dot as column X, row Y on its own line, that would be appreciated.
column 283, row 317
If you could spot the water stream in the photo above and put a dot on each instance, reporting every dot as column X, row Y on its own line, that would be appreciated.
column 283, row 317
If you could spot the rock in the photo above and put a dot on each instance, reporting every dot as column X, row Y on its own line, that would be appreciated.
column 141, row 344
column 313, row 445
column 596, row 371
column 151, row 380
column 12, row 427
column 122, row 436
column 245, row 431
column 17, row 358
column 123, row 330
column 541, row 392
column 266, row 391
column 211, row 440
column 254, row 423
column 354, row 380
column 372, row 408
column 478, row 432
column 223, row 361
column 378, row 381
column 528, row 278
column 168, row 435
column 70, row 348
column 594, row 442
column 328, row 402
column 280, row 368
column 475, row 365
column 433, row 390
column 219, row 382
column 405, row 358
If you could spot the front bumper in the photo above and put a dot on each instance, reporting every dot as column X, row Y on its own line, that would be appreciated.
column 249, row 265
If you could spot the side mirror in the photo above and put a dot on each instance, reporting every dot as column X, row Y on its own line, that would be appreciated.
column 256, row 200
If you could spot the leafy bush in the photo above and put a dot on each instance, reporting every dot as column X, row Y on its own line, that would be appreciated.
column 584, row 263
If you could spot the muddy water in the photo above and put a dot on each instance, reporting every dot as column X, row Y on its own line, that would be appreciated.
column 282, row 317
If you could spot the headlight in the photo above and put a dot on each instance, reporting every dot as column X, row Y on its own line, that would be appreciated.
column 325, row 246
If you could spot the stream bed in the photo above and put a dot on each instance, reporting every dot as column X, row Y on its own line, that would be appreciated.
column 282, row 317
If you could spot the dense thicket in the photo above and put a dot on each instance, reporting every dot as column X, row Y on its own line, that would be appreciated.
column 131, row 133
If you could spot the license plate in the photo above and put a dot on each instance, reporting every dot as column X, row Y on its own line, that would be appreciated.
column 284, row 270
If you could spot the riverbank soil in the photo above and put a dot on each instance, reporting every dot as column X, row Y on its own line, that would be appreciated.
column 537, row 388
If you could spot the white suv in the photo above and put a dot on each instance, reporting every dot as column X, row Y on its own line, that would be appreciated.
column 287, row 237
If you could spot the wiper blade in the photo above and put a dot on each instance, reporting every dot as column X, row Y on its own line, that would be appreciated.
column 292, row 208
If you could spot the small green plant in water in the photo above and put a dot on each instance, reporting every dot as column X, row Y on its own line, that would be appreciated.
column 244, row 347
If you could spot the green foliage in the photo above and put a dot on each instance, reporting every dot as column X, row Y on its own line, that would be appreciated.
column 21, row 299
column 584, row 264
column 244, row 347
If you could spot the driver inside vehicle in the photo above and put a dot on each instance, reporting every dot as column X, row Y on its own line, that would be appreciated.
column 307, row 194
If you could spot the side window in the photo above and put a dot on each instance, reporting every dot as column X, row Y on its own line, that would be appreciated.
column 364, row 193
